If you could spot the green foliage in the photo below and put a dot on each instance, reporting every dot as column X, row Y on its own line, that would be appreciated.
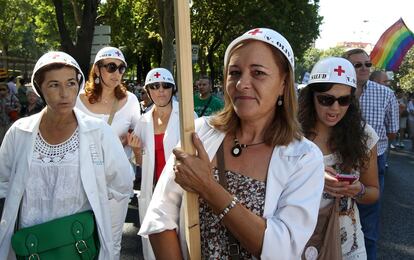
column 405, row 74
column 216, row 23
column 134, row 28
column 29, row 27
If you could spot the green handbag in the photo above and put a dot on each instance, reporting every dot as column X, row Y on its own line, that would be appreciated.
column 71, row 237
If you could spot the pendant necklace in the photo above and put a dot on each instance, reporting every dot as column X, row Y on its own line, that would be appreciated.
column 236, row 150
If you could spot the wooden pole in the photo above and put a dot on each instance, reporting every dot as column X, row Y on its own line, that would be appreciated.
column 185, row 83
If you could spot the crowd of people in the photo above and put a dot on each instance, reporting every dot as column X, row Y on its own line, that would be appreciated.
column 280, row 174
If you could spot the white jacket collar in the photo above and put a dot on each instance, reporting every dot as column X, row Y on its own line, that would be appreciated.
column 30, row 124
column 147, row 117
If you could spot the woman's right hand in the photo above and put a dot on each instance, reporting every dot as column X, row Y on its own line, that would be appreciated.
column 332, row 186
column 135, row 143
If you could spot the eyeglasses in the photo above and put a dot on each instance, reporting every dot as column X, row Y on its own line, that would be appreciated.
column 112, row 67
column 156, row 86
column 328, row 100
column 359, row 65
column 3, row 89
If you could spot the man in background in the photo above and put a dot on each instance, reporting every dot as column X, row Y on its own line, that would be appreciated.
column 205, row 103
column 379, row 108
column 380, row 77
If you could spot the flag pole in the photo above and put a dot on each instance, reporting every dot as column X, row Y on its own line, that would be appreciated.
column 185, row 83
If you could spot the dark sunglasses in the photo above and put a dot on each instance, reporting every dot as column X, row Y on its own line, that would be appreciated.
column 156, row 86
column 112, row 67
column 328, row 100
column 359, row 65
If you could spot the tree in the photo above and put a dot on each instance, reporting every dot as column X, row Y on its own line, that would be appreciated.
column 216, row 23
column 13, row 17
column 79, row 46
column 405, row 74
column 165, row 10
column 134, row 28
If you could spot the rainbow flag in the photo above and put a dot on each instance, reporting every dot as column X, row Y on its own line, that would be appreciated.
column 391, row 48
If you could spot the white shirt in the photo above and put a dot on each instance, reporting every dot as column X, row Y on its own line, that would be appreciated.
column 55, row 185
column 124, row 119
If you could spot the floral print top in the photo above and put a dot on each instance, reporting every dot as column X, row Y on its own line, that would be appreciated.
column 214, row 235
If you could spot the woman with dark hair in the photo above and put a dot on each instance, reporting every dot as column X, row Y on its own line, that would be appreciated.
column 330, row 117
column 154, row 138
column 258, row 179
column 60, row 162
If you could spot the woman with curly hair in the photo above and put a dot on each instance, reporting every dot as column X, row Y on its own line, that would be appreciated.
column 330, row 117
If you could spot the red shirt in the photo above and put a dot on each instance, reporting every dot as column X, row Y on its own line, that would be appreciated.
column 159, row 155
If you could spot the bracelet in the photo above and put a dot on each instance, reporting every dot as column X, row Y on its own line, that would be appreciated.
column 361, row 192
column 228, row 208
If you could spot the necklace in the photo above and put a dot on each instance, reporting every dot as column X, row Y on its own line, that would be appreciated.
column 236, row 150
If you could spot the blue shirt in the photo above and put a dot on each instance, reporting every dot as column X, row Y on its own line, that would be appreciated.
column 379, row 108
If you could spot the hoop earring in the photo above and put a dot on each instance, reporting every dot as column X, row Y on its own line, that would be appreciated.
column 280, row 101
column 97, row 80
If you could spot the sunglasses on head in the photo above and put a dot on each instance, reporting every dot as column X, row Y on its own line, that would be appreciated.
column 156, row 86
column 359, row 65
column 112, row 67
column 328, row 100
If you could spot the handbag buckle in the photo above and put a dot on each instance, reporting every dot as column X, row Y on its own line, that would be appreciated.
column 81, row 246
column 234, row 249
column 34, row 257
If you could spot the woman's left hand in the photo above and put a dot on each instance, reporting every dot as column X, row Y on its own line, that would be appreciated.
column 352, row 189
column 193, row 172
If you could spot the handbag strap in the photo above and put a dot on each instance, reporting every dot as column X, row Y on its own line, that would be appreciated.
column 113, row 110
column 80, row 244
column 206, row 105
column 234, row 248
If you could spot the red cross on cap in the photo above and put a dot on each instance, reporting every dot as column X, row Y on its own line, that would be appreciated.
column 55, row 56
column 157, row 75
column 339, row 70
column 255, row 31
column 118, row 53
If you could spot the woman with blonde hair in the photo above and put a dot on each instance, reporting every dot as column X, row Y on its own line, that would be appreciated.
column 270, row 179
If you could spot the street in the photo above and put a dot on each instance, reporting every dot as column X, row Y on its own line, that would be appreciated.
column 397, row 215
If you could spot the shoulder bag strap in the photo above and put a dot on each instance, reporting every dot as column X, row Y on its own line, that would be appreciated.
column 206, row 105
column 234, row 248
column 113, row 111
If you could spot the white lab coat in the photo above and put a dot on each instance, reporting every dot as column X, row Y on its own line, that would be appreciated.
column 293, row 191
column 103, row 168
column 145, row 131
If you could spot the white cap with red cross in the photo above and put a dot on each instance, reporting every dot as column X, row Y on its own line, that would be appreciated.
column 109, row 53
column 333, row 70
column 159, row 75
column 56, row 57
column 266, row 35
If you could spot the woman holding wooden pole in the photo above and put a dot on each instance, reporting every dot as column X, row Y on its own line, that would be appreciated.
column 259, row 180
